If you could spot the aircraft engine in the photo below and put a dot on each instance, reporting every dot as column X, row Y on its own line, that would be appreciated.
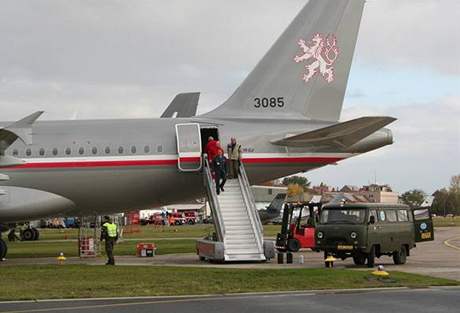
column 376, row 140
column 24, row 204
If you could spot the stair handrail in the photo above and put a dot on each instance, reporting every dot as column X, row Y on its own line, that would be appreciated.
column 250, row 202
column 213, row 200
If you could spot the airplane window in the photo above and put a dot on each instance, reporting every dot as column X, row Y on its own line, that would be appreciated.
column 94, row 150
column 67, row 151
column 133, row 149
column 42, row 151
column 147, row 149
column 81, row 150
column 55, row 151
column 160, row 148
column 107, row 150
column 120, row 150
column 15, row 152
column 28, row 152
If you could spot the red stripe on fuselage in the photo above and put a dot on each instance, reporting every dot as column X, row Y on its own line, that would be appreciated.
column 126, row 163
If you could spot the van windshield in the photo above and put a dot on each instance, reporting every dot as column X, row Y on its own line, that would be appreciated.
column 342, row 216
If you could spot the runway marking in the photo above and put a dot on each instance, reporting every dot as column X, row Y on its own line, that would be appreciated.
column 447, row 243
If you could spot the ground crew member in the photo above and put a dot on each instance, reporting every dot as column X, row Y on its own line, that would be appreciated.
column 234, row 157
column 219, row 165
column 109, row 233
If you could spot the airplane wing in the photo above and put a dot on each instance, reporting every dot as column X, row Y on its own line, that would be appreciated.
column 21, row 129
column 183, row 105
column 339, row 135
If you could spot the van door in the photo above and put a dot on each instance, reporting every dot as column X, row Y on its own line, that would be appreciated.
column 423, row 225
column 188, row 147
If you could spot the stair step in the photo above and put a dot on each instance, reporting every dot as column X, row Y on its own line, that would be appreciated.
column 238, row 232
column 245, row 257
column 239, row 239
column 235, row 218
column 251, row 250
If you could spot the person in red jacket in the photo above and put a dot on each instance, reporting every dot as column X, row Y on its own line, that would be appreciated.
column 211, row 148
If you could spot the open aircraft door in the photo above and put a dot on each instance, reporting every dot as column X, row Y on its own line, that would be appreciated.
column 188, row 147
column 423, row 225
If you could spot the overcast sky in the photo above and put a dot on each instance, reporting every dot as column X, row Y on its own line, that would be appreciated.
column 112, row 59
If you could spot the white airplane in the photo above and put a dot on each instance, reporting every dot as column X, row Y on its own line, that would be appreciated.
column 285, row 115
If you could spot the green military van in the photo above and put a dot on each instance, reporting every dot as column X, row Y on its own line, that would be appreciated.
column 365, row 231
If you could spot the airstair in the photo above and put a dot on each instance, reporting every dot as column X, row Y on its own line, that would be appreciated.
column 238, row 229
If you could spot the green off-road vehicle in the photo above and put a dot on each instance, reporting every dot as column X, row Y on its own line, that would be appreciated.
column 365, row 231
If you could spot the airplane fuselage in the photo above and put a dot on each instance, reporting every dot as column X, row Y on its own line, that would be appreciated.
column 117, row 165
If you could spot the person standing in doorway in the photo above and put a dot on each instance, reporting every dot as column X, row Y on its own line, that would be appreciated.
column 211, row 148
column 109, row 233
column 220, row 170
column 234, row 157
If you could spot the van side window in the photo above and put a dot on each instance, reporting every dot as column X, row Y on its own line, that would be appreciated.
column 421, row 214
column 382, row 216
column 391, row 216
column 403, row 216
column 373, row 213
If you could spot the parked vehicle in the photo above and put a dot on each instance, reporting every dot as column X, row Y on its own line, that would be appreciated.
column 367, row 231
column 297, row 227
column 191, row 217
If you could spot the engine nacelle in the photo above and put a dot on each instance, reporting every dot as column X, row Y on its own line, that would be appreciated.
column 380, row 138
column 19, row 204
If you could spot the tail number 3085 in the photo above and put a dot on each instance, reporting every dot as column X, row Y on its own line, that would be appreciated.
column 269, row 102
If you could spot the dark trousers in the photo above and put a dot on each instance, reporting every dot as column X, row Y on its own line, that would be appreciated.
column 109, row 243
column 220, row 178
column 234, row 168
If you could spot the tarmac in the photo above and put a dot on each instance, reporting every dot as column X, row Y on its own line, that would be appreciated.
column 438, row 258
column 430, row 300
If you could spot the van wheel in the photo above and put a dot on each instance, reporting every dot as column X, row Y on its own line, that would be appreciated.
column 359, row 259
column 293, row 245
column 400, row 256
column 28, row 234
column 371, row 257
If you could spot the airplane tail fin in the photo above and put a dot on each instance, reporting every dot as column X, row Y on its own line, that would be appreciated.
column 305, row 72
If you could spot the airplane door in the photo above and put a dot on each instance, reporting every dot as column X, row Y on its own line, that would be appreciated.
column 423, row 225
column 188, row 147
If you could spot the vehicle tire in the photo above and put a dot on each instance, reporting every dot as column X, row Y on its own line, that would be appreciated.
column 27, row 234
column 3, row 249
column 36, row 233
column 191, row 222
column 359, row 259
column 400, row 256
column 293, row 245
column 371, row 257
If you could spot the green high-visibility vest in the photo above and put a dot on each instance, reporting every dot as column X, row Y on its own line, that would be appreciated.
column 111, row 229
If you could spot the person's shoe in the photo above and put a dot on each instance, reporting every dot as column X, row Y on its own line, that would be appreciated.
column 222, row 188
column 218, row 191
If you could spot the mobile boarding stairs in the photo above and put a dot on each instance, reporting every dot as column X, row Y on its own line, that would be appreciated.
column 238, row 229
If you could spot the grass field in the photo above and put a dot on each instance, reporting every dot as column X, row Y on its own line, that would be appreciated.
column 76, row 281
column 149, row 231
column 69, row 248
column 440, row 221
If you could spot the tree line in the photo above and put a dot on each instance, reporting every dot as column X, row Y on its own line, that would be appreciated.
column 446, row 200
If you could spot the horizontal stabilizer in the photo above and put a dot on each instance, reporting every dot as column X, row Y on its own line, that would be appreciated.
column 21, row 129
column 183, row 105
column 340, row 135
